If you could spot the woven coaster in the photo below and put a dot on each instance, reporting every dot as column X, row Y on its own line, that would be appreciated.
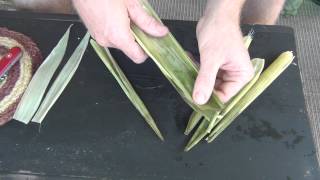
column 19, row 76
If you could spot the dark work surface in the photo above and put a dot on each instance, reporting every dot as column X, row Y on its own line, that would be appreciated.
column 93, row 131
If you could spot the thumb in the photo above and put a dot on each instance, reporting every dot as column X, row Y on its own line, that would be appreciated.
column 205, row 81
column 146, row 22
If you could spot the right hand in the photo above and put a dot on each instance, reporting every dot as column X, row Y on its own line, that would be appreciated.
column 108, row 22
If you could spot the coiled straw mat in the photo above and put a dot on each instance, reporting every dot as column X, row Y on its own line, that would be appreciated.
column 15, row 83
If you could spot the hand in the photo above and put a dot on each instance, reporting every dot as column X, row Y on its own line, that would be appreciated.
column 108, row 21
column 225, row 65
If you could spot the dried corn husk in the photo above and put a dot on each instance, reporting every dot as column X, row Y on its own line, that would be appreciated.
column 62, row 80
column 264, row 81
column 33, row 95
column 175, row 64
column 126, row 86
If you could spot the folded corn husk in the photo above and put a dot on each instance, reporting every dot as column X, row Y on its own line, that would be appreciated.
column 126, row 86
column 33, row 95
column 62, row 80
column 264, row 81
column 206, row 126
column 175, row 64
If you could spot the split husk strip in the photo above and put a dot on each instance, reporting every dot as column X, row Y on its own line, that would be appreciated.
column 266, row 78
column 196, row 116
column 62, row 80
column 33, row 95
column 206, row 126
column 175, row 64
column 126, row 86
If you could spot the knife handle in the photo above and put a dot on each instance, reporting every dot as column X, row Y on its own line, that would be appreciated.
column 9, row 59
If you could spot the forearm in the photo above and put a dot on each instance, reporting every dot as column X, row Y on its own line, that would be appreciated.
column 261, row 11
column 229, row 9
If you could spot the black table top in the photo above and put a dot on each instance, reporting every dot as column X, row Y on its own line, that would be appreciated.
column 93, row 131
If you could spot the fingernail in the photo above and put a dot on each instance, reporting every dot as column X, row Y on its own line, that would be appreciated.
column 200, row 98
column 163, row 30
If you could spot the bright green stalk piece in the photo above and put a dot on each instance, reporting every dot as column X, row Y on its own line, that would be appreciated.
column 33, row 95
column 193, row 121
column 266, row 78
column 207, row 126
column 196, row 116
column 175, row 64
column 62, row 80
column 126, row 86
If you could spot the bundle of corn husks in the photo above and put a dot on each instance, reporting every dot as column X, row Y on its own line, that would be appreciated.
column 181, row 72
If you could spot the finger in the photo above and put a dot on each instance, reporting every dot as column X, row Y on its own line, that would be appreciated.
column 133, row 51
column 120, row 36
column 205, row 81
column 146, row 22
column 231, row 83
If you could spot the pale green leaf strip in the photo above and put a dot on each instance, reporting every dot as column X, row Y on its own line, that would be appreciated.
column 126, row 86
column 264, row 81
column 35, row 91
column 62, row 80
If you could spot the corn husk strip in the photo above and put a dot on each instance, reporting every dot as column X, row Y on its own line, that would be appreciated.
column 200, row 133
column 62, row 80
column 175, row 64
column 266, row 78
column 193, row 121
column 196, row 116
column 258, row 65
column 33, row 95
column 206, row 126
column 126, row 86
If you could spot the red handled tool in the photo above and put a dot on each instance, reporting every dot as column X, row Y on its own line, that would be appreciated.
column 8, row 60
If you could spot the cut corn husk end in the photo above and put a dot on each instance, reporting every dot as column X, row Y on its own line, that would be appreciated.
column 264, row 81
column 126, row 86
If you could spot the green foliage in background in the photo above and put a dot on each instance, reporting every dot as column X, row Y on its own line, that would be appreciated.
column 291, row 7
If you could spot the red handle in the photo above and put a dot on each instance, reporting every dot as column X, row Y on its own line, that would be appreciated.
column 10, row 59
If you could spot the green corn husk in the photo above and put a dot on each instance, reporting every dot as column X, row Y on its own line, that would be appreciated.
column 193, row 121
column 206, row 126
column 196, row 116
column 33, row 95
column 264, row 81
column 126, row 86
column 62, row 80
column 175, row 64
